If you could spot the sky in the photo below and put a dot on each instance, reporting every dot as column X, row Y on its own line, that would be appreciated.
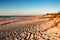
column 28, row 7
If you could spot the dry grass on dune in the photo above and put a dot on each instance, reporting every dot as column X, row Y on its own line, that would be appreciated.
column 46, row 27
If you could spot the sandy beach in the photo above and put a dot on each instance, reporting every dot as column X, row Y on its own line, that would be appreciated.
column 45, row 27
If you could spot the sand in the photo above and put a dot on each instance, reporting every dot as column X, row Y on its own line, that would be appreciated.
column 45, row 27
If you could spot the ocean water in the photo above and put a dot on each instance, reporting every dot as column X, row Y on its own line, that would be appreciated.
column 12, row 16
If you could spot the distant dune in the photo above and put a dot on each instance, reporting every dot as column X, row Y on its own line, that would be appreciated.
column 45, row 27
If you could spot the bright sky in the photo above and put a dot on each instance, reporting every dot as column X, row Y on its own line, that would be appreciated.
column 28, row 7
